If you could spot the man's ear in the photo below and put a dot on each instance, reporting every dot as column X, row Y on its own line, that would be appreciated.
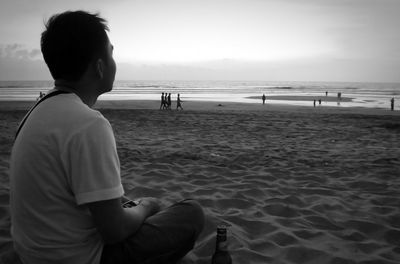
column 99, row 67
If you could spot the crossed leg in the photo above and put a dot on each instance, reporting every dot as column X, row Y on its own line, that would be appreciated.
column 165, row 237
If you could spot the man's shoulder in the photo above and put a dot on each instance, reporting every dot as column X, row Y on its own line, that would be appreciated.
column 71, row 104
column 68, row 112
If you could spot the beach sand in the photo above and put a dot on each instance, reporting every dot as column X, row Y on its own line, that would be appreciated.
column 295, row 184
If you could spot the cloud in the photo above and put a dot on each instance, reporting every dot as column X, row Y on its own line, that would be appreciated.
column 19, row 69
column 19, row 63
column 18, row 51
column 34, row 53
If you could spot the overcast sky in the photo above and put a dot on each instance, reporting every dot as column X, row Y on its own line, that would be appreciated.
column 288, row 40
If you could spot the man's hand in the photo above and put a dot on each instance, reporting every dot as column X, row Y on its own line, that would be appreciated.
column 152, row 204
column 116, row 223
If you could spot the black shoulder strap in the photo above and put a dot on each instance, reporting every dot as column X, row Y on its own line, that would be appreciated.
column 47, row 96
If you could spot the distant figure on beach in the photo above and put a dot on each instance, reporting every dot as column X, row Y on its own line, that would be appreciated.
column 339, row 96
column 67, row 200
column 41, row 95
column 314, row 102
column 165, row 101
column 263, row 98
column 319, row 101
column 392, row 103
column 326, row 93
column 162, row 105
column 179, row 103
column 169, row 101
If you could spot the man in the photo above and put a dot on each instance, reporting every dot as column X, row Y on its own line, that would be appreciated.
column 169, row 101
column 66, row 192
column 179, row 103
column 162, row 101
column 392, row 104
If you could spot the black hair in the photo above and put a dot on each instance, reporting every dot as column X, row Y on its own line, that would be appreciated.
column 71, row 41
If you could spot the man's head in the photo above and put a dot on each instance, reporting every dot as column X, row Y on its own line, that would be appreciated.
column 74, row 41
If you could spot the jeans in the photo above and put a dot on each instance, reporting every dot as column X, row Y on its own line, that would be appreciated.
column 165, row 237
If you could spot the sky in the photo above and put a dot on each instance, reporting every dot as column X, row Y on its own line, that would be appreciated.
column 269, row 40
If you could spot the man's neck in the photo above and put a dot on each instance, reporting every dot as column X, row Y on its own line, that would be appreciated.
column 82, row 91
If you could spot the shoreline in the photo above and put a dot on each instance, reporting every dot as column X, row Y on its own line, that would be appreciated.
column 214, row 106
column 306, row 98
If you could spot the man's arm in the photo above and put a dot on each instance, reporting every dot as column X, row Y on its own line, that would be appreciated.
column 116, row 223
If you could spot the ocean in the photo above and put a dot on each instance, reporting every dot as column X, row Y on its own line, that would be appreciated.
column 370, row 95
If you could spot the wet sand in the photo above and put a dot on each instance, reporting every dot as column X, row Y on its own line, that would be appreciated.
column 305, row 98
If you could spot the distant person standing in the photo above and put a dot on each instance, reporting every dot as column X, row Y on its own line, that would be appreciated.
column 165, row 105
column 319, row 101
column 41, row 95
column 169, row 101
column 162, row 101
column 314, row 102
column 392, row 103
column 326, row 93
column 179, row 103
column 263, row 98
column 339, row 98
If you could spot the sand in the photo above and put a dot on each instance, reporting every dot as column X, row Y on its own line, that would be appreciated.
column 295, row 184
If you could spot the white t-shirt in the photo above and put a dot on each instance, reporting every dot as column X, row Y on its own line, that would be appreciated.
column 64, row 157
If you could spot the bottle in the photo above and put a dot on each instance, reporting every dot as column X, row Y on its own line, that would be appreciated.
column 221, row 254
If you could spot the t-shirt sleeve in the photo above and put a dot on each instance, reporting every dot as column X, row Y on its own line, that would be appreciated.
column 94, row 164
